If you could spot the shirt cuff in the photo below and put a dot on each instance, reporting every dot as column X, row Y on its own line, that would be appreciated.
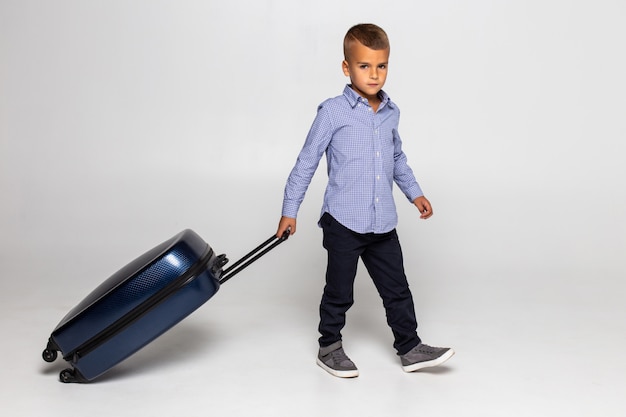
column 414, row 192
column 290, row 209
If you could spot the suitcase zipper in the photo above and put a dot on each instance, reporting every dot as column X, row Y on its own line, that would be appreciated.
column 141, row 310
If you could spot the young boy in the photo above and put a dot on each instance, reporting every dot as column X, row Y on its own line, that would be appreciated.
column 358, row 131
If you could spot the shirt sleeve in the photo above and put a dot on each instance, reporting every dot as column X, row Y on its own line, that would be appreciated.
column 402, row 172
column 307, row 162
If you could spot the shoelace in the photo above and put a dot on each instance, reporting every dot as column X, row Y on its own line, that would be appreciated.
column 339, row 356
column 429, row 350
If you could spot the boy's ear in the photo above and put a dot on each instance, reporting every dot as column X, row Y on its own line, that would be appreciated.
column 345, row 68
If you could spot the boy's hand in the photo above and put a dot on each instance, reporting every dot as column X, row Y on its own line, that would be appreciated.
column 284, row 224
column 423, row 205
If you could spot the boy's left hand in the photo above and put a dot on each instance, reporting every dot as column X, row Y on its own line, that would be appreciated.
column 423, row 205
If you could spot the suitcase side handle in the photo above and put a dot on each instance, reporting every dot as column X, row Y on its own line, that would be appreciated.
column 252, row 256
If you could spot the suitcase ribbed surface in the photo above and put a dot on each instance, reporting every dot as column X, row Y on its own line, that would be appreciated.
column 128, row 288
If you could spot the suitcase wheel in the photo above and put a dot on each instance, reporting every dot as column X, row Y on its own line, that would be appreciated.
column 67, row 376
column 49, row 355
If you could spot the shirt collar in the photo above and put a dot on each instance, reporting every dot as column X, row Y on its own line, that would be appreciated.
column 354, row 98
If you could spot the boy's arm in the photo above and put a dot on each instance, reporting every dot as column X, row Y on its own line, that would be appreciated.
column 403, row 175
column 306, row 164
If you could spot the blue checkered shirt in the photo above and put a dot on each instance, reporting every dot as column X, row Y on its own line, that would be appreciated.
column 364, row 158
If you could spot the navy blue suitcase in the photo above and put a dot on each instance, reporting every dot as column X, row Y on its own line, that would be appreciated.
column 140, row 302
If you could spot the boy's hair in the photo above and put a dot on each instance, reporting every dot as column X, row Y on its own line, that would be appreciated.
column 368, row 34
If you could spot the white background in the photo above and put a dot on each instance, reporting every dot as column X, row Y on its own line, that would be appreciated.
column 123, row 122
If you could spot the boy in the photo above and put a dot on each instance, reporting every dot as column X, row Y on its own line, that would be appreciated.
column 358, row 131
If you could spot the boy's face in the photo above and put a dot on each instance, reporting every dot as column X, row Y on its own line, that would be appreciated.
column 367, row 69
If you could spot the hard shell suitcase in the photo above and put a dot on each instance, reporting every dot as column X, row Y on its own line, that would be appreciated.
column 140, row 302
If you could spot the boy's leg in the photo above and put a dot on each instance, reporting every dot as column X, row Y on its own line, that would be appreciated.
column 343, row 248
column 384, row 262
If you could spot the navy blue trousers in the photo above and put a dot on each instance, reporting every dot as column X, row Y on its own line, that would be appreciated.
column 382, row 256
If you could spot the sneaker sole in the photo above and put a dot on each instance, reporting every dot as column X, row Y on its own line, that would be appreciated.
column 429, row 364
column 352, row 373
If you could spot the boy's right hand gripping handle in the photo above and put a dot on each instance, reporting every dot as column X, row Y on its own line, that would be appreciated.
column 252, row 256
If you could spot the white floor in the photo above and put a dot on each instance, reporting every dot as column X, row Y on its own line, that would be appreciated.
column 528, row 343
column 122, row 123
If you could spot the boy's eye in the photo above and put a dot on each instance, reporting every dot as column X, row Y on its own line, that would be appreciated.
column 363, row 66
column 382, row 66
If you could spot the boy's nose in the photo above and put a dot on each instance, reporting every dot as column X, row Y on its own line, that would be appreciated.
column 374, row 74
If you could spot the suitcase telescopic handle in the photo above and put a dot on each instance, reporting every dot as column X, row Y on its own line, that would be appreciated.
column 253, row 255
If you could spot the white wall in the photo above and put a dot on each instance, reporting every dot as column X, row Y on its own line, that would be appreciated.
column 122, row 122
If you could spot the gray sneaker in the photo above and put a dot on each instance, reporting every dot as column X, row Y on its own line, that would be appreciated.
column 424, row 356
column 335, row 361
